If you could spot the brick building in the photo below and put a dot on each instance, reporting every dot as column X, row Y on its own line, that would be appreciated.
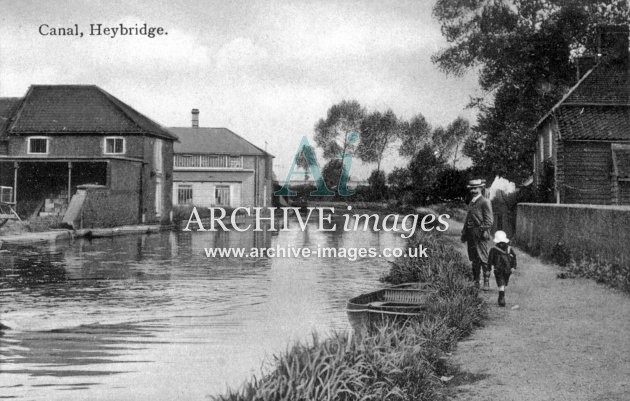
column 65, row 145
column 586, row 136
column 216, row 167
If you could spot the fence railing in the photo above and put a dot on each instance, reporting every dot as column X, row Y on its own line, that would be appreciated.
column 208, row 161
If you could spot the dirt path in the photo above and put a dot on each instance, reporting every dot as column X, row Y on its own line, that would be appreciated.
column 555, row 340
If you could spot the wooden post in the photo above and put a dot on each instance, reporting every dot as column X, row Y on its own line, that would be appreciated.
column 69, row 181
column 15, row 178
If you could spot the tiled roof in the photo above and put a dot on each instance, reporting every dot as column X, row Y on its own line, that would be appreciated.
column 597, row 107
column 8, row 105
column 604, row 85
column 594, row 122
column 220, row 141
column 80, row 109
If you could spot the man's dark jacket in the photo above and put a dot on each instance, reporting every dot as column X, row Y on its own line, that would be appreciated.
column 477, row 228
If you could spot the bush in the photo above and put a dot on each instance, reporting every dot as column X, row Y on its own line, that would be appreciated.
column 423, row 170
column 456, row 210
column 450, row 185
column 560, row 254
column 378, row 187
column 615, row 274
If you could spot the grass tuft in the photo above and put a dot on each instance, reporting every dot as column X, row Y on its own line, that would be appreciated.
column 394, row 361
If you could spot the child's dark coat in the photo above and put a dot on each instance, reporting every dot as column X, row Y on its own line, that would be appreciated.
column 503, row 259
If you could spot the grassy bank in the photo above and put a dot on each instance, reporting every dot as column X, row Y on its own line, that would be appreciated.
column 393, row 362
column 588, row 240
column 614, row 274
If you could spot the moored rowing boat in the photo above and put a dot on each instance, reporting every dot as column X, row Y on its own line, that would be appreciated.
column 399, row 302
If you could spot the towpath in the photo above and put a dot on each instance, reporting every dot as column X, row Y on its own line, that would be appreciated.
column 555, row 340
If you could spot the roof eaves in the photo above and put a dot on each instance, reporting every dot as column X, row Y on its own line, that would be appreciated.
column 11, row 112
column 18, row 112
column 117, row 104
column 555, row 106
column 120, row 105
column 237, row 135
column 260, row 152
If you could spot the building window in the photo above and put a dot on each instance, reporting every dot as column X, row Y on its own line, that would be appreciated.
column 184, row 161
column 157, row 156
column 6, row 194
column 541, row 144
column 208, row 161
column 114, row 145
column 38, row 145
column 158, row 196
column 621, row 161
column 236, row 162
column 550, row 143
column 184, row 194
column 222, row 195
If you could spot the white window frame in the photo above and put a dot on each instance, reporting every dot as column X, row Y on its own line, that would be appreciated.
column 550, row 143
column 541, row 143
column 6, row 194
column 159, row 196
column 617, row 148
column 157, row 156
column 238, row 159
column 28, row 145
column 229, row 194
column 124, row 142
column 185, row 187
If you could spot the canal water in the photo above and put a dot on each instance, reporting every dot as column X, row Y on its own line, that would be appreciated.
column 150, row 317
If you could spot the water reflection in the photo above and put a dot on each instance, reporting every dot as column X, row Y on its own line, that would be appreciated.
column 26, row 266
column 151, row 317
column 62, row 351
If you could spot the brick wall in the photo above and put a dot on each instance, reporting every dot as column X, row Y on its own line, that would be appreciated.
column 594, row 231
column 124, row 175
column 75, row 145
column 106, row 208
column 150, row 176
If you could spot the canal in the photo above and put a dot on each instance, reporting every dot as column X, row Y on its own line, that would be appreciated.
column 150, row 317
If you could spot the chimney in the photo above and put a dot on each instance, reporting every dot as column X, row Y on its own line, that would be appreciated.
column 613, row 44
column 195, row 118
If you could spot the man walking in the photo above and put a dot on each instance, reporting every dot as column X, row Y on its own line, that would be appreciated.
column 476, row 232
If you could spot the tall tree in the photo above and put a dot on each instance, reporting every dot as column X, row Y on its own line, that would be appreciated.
column 338, row 133
column 414, row 135
column 523, row 50
column 400, row 182
column 378, row 131
column 423, row 169
column 447, row 142
column 303, row 163
column 378, row 185
column 331, row 172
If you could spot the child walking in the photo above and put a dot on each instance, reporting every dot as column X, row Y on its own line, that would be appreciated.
column 503, row 259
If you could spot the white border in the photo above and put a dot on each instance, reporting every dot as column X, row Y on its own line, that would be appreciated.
column 105, row 152
column 28, row 145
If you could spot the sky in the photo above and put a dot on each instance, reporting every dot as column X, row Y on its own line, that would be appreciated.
column 267, row 70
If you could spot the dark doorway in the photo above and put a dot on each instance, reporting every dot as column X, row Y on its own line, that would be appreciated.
column 43, row 186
